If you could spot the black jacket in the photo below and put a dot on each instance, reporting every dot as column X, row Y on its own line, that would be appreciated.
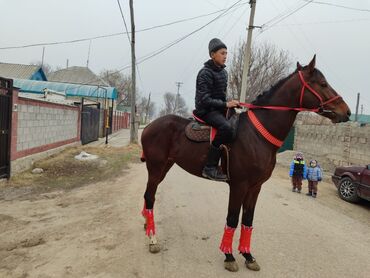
column 210, row 89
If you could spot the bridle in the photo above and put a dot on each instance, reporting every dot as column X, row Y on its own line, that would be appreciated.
column 305, row 86
column 320, row 109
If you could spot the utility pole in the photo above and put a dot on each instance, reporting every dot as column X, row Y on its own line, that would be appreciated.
column 357, row 103
column 43, row 55
column 133, row 130
column 178, row 84
column 247, row 54
column 88, row 55
column 147, row 109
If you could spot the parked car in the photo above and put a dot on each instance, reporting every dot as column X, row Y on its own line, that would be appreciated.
column 353, row 182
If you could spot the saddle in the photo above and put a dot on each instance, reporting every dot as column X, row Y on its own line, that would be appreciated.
column 198, row 131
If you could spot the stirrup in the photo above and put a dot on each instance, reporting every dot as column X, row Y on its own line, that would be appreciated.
column 216, row 176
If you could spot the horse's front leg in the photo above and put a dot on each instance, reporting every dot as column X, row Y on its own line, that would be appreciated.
column 244, row 248
column 236, row 197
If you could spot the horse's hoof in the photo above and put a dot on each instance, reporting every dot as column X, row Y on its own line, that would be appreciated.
column 252, row 265
column 231, row 266
column 154, row 248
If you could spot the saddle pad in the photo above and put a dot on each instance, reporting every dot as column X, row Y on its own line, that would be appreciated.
column 199, row 133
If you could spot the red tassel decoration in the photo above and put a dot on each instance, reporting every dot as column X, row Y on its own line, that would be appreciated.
column 227, row 240
column 245, row 239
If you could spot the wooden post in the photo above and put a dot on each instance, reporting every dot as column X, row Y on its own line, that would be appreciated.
column 133, row 129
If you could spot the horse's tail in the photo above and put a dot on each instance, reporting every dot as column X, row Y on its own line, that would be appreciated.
column 142, row 157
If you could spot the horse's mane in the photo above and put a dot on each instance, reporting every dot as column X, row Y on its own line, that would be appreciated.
column 264, row 96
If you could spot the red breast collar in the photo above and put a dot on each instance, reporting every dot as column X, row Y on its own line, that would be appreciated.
column 263, row 131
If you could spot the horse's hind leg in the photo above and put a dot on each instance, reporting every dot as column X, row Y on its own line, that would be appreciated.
column 249, row 205
column 156, row 173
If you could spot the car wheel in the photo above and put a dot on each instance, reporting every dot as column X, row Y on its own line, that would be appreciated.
column 347, row 190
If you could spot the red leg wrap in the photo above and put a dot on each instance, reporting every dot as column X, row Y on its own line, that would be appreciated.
column 150, row 227
column 227, row 240
column 245, row 239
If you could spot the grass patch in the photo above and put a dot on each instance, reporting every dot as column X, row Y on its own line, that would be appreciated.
column 63, row 171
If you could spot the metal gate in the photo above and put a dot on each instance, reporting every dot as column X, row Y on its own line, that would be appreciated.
column 6, row 90
column 89, row 124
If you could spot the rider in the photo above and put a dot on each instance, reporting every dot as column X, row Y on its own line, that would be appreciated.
column 210, row 105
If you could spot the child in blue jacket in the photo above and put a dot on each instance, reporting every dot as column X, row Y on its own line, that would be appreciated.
column 314, row 176
column 298, row 172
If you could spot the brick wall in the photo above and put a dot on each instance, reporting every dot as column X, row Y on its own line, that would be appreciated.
column 39, row 126
column 342, row 144
column 119, row 119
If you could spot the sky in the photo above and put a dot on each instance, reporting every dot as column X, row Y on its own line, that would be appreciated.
column 339, row 37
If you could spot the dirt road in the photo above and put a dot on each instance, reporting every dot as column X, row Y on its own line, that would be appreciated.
column 97, row 231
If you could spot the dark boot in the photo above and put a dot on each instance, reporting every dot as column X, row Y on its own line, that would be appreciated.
column 211, row 170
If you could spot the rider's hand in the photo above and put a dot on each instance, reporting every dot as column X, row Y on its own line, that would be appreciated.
column 232, row 104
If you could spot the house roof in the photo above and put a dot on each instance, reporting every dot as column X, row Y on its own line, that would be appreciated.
column 77, row 75
column 69, row 89
column 18, row 70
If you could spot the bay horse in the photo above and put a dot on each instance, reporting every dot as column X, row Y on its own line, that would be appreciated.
column 261, row 131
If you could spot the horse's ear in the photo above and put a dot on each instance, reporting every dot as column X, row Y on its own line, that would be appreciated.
column 299, row 67
column 312, row 64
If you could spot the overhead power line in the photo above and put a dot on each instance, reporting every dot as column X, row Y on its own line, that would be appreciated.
column 164, row 48
column 282, row 14
column 116, row 34
column 124, row 21
column 339, row 6
column 323, row 22
column 167, row 46
column 276, row 20
column 129, row 40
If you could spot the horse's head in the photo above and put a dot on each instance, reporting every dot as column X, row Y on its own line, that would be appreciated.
column 316, row 93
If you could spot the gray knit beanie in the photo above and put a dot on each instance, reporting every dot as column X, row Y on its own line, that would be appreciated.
column 214, row 45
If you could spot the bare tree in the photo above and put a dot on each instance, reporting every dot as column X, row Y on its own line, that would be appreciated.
column 267, row 66
column 170, row 105
column 121, row 82
column 145, row 109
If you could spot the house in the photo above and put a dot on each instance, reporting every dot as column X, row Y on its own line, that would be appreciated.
column 103, row 98
column 85, row 76
column 69, row 89
column 29, row 72
column 77, row 75
column 43, row 116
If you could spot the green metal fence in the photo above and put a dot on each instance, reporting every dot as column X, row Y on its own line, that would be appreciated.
column 289, row 141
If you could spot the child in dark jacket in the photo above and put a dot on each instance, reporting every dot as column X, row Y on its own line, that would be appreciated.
column 298, row 172
column 314, row 176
